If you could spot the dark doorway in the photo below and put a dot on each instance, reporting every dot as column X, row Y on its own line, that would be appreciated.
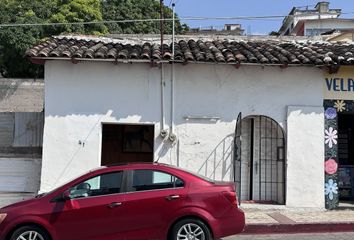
column 124, row 143
column 346, row 156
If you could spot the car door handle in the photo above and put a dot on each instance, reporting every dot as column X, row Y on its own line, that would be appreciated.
column 114, row 204
column 172, row 197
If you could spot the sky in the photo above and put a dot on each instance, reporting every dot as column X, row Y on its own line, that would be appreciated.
column 236, row 8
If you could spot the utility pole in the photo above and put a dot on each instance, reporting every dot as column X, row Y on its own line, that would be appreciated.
column 163, row 132
column 161, row 25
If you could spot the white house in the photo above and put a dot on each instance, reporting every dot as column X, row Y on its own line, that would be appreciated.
column 316, row 27
column 123, row 100
column 303, row 21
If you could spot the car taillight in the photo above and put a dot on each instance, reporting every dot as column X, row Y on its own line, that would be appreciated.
column 231, row 196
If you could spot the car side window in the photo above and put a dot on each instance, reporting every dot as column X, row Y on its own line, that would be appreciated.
column 144, row 180
column 104, row 184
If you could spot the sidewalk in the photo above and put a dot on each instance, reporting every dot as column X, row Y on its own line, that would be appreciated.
column 267, row 219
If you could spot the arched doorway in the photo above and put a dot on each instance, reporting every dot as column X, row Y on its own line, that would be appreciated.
column 262, row 160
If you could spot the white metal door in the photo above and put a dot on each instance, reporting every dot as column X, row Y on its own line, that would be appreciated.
column 263, row 174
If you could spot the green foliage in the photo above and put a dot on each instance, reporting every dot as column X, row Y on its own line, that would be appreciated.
column 114, row 10
column 78, row 11
column 14, row 41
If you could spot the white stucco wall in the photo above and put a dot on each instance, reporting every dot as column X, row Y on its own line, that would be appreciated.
column 305, row 153
column 80, row 97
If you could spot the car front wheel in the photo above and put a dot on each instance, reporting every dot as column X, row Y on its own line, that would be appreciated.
column 30, row 233
column 190, row 229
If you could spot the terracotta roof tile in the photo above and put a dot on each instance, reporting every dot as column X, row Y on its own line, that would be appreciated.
column 191, row 50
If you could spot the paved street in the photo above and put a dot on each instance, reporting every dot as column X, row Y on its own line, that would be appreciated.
column 313, row 236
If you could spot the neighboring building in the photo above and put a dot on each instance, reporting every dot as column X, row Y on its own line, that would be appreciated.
column 318, row 27
column 111, row 101
column 21, row 136
column 347, row 36
column 311, row 22
column 227, row 29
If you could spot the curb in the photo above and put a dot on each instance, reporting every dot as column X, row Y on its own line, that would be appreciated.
column 299, row 228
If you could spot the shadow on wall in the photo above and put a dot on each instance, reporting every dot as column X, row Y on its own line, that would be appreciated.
column 218, row 165
column 165, row 146
column 8, row 90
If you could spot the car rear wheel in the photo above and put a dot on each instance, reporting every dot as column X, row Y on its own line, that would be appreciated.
column 30, row 233
column 190, row 229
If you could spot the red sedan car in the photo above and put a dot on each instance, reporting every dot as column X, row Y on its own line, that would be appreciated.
column 130, row 202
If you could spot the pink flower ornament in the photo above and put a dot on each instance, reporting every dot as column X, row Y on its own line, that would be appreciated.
column 331, row 166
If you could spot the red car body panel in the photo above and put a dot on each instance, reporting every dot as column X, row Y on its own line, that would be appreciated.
column 137, row 215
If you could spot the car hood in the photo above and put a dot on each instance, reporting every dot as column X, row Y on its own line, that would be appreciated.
column 19, row 204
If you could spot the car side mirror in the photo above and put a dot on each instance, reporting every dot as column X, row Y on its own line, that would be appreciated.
column 66, row 195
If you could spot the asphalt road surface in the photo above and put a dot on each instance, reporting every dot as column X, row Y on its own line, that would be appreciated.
column 313, row 236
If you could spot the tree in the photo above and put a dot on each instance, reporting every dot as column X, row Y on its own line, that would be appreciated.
column 115, row 10
column 14, row 41
column 76, row 11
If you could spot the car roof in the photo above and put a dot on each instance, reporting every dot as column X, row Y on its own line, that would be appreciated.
column 138, row 164
column 155, row 165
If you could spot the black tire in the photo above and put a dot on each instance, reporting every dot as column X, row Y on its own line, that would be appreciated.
column 196, row 226
column 42, row 234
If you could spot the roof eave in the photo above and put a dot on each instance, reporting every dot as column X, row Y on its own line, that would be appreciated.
column 41, row 60
column 77, row 60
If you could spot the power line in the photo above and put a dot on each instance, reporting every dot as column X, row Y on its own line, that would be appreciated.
column 275, row 17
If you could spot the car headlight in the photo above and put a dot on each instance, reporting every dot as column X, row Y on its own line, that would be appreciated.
column 2, row 217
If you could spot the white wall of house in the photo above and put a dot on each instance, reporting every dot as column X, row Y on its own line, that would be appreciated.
column 300, row 16
column 308, row 16
column 304, row 135
column 80, row 97
column 312, row 27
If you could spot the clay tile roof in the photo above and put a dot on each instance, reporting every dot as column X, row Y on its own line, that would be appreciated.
column 256, row 51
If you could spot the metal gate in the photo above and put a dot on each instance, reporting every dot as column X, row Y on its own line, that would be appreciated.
column 261, row 172
column 271, row 155
column 237, row 155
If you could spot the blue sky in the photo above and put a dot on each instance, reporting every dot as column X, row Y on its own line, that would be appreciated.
column 233, row 8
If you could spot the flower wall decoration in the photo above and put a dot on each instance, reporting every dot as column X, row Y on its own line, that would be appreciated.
column 331, row 188
column 331, row 166
column 340, row 105
column 331, row 137
column 330, row 113
column 332, row 108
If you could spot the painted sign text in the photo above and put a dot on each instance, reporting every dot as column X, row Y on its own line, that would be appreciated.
column 340, row 84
